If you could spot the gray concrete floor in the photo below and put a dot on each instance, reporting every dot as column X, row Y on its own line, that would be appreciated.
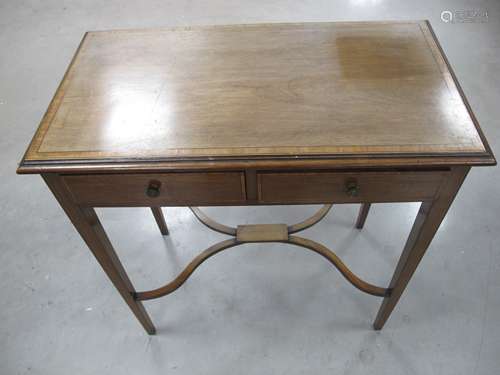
column 256, row 309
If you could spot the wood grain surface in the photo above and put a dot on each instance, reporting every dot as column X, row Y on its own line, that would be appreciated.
column 253, row 92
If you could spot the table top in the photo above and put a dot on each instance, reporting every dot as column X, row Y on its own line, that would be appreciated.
column 338, row 92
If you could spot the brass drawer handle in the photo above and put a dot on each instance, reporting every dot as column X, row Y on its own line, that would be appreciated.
column 352, row 188
column 153, row 189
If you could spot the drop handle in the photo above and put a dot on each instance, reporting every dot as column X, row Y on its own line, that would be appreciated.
column 352, row 188
column 153, row 189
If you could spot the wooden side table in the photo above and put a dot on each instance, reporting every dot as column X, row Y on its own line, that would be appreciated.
column 311, row 113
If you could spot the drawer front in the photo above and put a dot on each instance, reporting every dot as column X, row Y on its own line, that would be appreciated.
column 347, row 187
column 166, row 189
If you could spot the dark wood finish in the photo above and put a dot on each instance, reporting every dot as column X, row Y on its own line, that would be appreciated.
column 350, row 112
column 87, row 224
column 292, row 240
column 349, row 91
column 231, row 164
column 251, row 185
column 160, row 220
column 184, row 275
column 309, row 222
column 363, row 213
column 331, row 187
column 212, row 224
column 426, row 224
column 176, row 189
column 459, row 89
column 262, row 233
column 337, row 262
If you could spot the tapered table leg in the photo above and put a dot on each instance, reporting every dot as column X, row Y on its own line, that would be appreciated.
column 160, row 220
column 87, row 224
column 426, row 224
column 363, row 213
